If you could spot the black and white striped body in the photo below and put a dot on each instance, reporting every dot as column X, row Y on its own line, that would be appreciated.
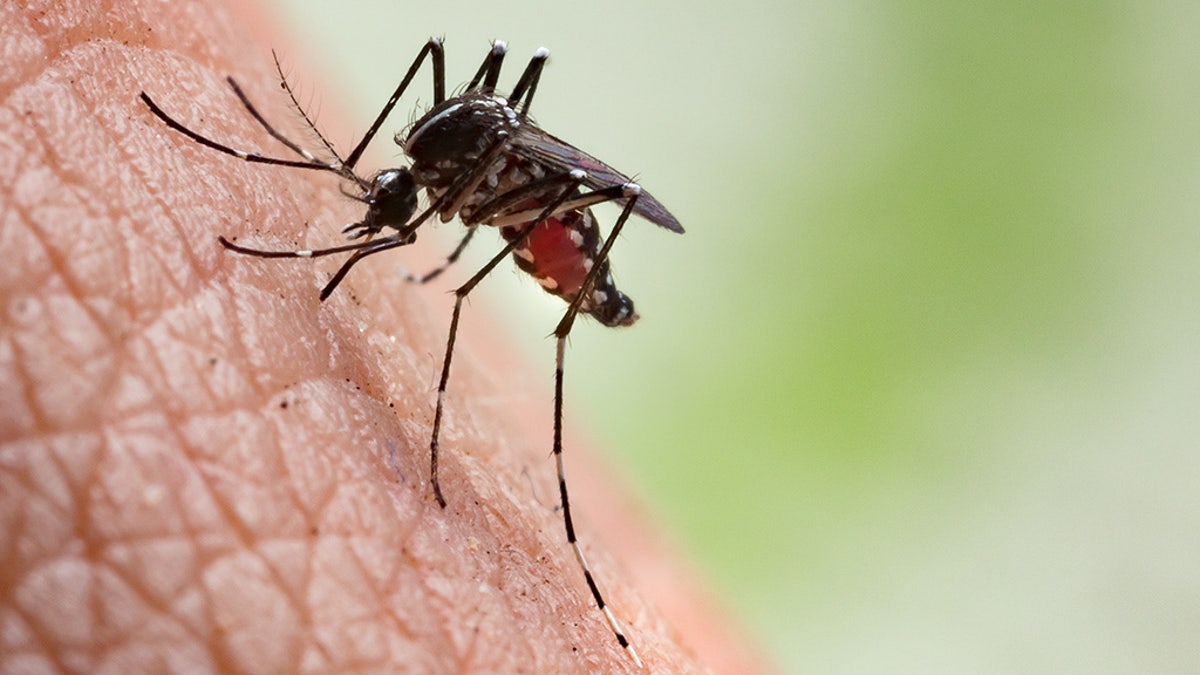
column 452, row 138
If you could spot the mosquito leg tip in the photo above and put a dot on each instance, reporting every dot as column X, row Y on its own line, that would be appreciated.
column 328, row 290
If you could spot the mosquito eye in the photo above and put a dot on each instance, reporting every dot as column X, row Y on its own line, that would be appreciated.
column 391, row 183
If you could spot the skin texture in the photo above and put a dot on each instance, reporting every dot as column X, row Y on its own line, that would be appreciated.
column 204, row 468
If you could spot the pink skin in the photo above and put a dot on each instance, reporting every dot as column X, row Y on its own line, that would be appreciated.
column 202, row 467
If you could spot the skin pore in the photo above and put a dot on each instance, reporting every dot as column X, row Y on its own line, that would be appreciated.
column 202, row 467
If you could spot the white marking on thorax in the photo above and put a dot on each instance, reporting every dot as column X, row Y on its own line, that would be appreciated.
column 433, row 120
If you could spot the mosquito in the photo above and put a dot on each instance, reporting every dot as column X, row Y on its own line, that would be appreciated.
column 479, row 156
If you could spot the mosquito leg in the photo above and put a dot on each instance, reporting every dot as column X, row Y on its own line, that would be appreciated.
column 500, row 216
column 489, row 70
column 529, row 80
column 240, row 154
column 450, row 259
column 404, row 235
column 485, row 211
column 385, row 244
column 434, row 48
column 453, row 200
column 307, row 253
column 561, row 332
column 267, row 125
column 361, row 250
column 613, row 624
column 570, row 184
column 631, row 191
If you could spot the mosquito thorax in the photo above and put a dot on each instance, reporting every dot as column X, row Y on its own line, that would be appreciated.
column 391, row 199
column 451, row 138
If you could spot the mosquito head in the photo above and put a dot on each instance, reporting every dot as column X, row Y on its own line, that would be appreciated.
column 391, row 200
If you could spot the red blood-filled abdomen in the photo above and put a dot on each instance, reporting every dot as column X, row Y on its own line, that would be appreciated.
column 557, row 257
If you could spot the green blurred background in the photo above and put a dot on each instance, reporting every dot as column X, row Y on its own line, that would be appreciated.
column 919, row 387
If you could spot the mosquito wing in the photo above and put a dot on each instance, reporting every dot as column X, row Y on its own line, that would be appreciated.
column 538, row 146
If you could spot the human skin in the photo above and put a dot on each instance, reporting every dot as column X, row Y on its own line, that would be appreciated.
column 203, row 467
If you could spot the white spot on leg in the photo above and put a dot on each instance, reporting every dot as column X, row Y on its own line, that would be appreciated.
column 609, row 617
column 599, row 297
column 576, row 238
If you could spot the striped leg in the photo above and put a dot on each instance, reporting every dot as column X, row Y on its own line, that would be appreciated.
column 561, row 332
column 450, row 260
column 571, row 183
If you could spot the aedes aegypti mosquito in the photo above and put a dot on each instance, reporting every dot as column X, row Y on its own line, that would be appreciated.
column 477, row 155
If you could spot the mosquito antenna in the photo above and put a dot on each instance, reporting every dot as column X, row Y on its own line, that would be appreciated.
column 287, row 87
